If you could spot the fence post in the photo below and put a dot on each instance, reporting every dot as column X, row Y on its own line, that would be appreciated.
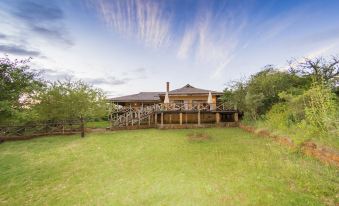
column 46, row 128
column 82, row 127
column 63, row 127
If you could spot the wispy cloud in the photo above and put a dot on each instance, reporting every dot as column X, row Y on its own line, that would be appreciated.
column 3, row 36
column 211, row 40
column 55, row 75
column 281, row 22
column 18, row 50
column 42, row 19
column 59, row 75
column 110, row 81
column 315, row 53
column 142, row 19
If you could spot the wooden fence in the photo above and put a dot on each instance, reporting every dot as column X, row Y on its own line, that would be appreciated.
column 27, row 131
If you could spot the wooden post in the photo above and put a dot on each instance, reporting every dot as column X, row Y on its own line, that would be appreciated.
column 170, row 119
column 199, row 114
column 217, row 117
column 236, row 117
column 156, row 119
column 186, row 118
column 139, row 118
column 180, row 118
column 149, row 120
column 199, row 117
column 162, row 119
column 82, row 127
column 46, row 127
column 126, row 119
column 63, row 127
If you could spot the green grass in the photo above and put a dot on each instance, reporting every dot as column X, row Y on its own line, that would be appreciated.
column 101, row 124
column 299, row 135
column 161, row 167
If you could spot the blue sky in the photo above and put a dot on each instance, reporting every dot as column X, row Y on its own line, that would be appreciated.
column 126, row 46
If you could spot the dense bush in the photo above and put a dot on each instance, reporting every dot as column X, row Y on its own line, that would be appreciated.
column 18, row 85
column 301, row 101
column 70, row 100
column 25, row 97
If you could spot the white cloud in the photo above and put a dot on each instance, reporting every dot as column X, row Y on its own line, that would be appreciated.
column 212, row 41
column 144, row 20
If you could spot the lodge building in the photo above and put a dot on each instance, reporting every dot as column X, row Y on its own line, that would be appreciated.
column 186, row 107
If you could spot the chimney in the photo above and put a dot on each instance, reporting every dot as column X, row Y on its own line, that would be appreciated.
column 167, row 86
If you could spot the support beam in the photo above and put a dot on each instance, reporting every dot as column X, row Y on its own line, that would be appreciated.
column 236, row 117
column 156, row 119
column 139, row 117
column 162, row 119
column 217, row 117
column 199, row 118
column 180, row 118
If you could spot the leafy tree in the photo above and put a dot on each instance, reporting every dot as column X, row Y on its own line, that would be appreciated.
column 264, row 86
column 70, row 100
column 253, row 103
column 320, row 107
column 18, row 85
column 270, row 82
column 234, row 96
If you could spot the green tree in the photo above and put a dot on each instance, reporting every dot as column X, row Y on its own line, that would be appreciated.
column 270, row 82
column 18, row 85
column 320, row 107
column 234, row 96
column 253, row 103
column 70, row 100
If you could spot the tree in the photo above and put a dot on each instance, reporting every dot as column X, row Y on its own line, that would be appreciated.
column 320, row 69
column 253, row 103
column 70, row 100
column 18, row 84
column 270, row 82
column 234, row 96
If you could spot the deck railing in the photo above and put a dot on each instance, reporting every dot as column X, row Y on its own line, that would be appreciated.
column 175, row 107
column 13, row 132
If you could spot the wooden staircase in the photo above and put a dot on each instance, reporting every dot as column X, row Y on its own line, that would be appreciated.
column 132, row 117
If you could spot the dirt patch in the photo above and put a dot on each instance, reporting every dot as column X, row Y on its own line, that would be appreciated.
column 267, row 134
column 198, row 137
column 325, row 154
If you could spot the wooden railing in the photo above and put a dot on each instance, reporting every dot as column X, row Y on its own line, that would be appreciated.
column 176, row 107
column 124, row 116
column 12, row 132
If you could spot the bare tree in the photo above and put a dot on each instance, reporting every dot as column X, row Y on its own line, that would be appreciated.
column 319, row 68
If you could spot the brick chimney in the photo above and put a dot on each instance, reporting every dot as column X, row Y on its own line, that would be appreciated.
column 167, row 86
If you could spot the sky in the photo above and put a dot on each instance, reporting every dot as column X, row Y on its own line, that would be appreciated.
column 126, row 46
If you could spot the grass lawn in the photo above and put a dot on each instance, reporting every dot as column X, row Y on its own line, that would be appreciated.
column 100, row 124
column 162, row 167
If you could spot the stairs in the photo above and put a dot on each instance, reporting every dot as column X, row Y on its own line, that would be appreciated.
column 132, row 117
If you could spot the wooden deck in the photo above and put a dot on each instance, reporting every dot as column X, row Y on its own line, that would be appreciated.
column 173, row 114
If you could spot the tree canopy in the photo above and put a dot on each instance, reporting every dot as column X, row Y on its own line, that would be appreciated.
column 70, row 100
column 18, row 85
column 26, row 97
